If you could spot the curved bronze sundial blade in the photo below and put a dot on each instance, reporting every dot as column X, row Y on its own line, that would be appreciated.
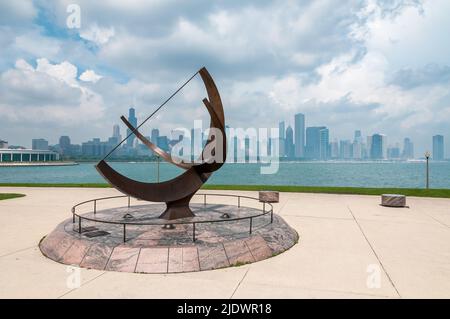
column 166, row 156
column 178, row 191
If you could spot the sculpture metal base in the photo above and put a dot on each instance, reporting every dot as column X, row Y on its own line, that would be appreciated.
column 178, row 209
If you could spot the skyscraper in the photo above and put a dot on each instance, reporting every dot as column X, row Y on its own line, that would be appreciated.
column 116, row 133
column 65, row 146
column 154, row 136
column 393, row 152
column 133, row 121
column 438, row 148
column 324, row 147
column 282, row 130
column 357, row 146
column 345, row 150
column 299, row 127
column 282, row 138
column 163, row 143
column 39, row 144
column 358, row 136
column 289, row 143
column 334, row 149
column 377, row 146
column 408, row 148
column 312, row 149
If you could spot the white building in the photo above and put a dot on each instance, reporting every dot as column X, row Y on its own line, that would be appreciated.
column 27, row 155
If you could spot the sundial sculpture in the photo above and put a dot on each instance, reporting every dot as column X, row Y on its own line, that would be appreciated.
column 177, row 192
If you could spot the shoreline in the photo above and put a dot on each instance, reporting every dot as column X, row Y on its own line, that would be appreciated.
column 36, row 164
column 416, row 192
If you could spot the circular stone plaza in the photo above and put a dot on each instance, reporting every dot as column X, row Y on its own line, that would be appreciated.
column 304, row 246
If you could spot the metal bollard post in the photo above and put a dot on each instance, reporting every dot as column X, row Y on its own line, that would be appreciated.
column 124, row 233
column 251, row 222
column 193, row 232
column 95, row 207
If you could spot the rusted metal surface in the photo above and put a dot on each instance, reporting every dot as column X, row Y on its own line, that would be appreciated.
column 177, row 192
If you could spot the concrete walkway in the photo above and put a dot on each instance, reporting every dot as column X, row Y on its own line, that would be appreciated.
column 350, row 247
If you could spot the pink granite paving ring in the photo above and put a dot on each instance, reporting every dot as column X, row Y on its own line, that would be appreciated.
column 130, row 238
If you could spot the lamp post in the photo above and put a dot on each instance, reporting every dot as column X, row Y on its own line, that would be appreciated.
column 157, row 160
column 427, row 156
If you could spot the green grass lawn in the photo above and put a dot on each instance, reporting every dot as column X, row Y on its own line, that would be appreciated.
column 443, row 193
column 9, row 196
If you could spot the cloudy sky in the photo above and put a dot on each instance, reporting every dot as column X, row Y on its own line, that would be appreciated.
column 376, row 65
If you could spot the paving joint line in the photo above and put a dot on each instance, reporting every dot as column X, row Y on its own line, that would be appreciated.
column 375, row 253
column 239, row 283
column 82, row 285
column 437, row 220
column 137, row 260
column 18, row 251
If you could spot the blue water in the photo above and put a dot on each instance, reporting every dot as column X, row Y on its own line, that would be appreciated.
column 367, row 174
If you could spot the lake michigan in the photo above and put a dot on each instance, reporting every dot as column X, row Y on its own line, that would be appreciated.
column 351, row 174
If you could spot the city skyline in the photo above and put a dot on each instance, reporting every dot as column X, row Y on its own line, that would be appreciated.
column 301, row 143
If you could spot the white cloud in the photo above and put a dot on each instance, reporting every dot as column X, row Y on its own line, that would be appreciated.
column 90, row 76
column 47, row 94
column 64, row 71
column 98, row 35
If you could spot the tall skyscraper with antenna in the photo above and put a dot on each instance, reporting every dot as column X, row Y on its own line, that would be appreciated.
column 133, row 120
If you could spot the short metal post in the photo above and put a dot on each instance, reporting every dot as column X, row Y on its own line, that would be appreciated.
column 124, row 233
column 251, row 223
column 129, row 201
column 157, row 160
column 95, row 207
column 239, row 201
column 271, row 216
column 193, row 232
column 204, row 199
column 79, row 224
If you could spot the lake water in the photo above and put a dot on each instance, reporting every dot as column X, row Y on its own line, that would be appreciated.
column 356, row 174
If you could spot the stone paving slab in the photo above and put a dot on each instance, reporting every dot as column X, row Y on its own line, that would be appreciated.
column 75, row 254
column 212, row 257
column 96, row 257
column 123, row 259
column 153, row 260
column 238, row 252
column 190, row 259
column 258, row 248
